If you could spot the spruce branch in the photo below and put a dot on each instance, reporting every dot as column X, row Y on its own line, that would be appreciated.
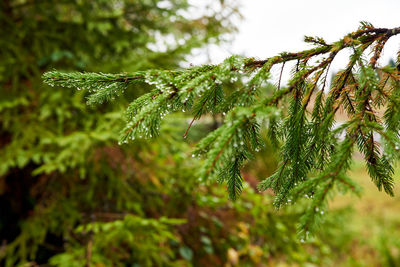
column 316, row 152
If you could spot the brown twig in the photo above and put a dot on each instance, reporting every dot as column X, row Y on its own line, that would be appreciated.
column 190, row 125
column 280, row 76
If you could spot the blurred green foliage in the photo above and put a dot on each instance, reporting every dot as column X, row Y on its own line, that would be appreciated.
column 60, row 165
column 70, row 196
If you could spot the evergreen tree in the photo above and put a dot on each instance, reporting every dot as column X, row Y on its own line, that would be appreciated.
column 61, row 176
column 314, row 158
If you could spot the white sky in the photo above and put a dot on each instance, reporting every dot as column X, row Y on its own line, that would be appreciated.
column 270, row 27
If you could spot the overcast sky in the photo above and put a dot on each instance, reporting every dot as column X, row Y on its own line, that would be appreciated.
column 270, row 27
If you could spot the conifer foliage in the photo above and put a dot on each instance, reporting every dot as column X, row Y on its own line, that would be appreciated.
column 316, row 153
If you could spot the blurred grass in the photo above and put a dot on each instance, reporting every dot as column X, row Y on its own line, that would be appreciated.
column 372, row 203
column 375, row 221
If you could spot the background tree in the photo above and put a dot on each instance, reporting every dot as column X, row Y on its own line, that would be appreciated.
column 53, row 147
